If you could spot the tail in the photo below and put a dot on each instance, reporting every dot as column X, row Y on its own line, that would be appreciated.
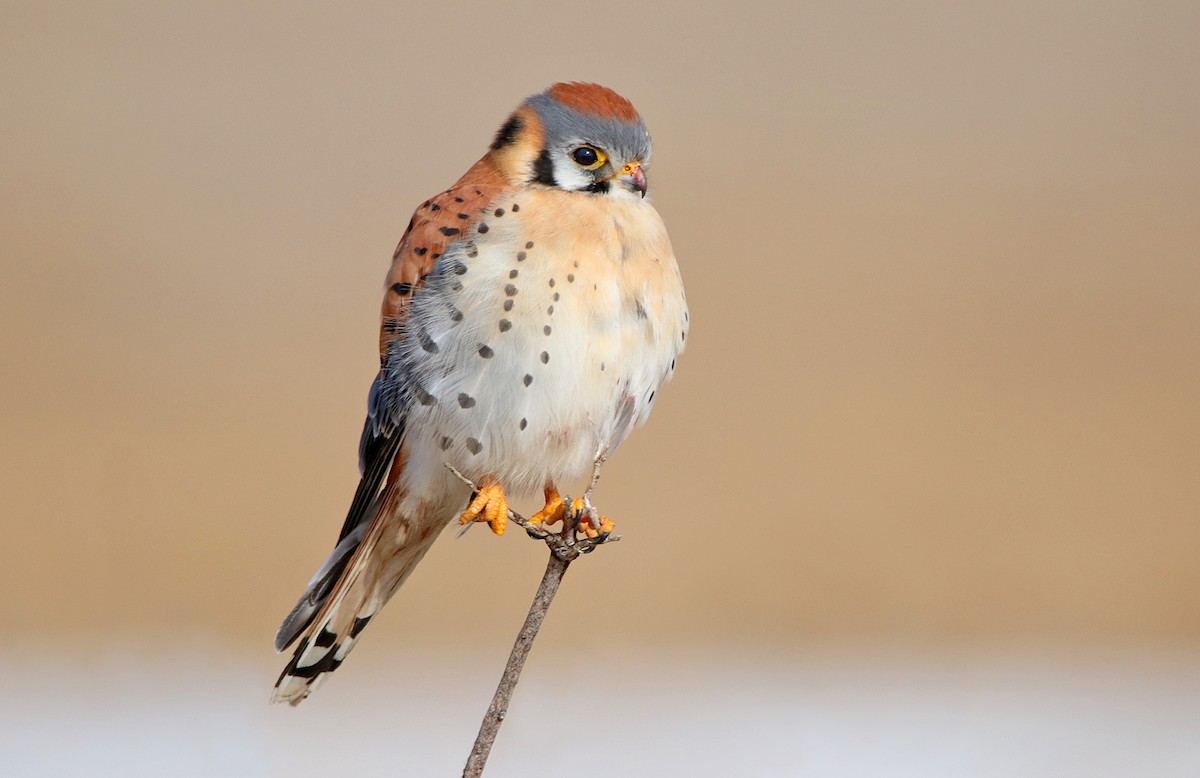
column 361, row 575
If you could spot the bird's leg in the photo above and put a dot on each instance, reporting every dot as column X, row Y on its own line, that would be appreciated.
column 488, row 504
column 592, row 524
column 601, row 458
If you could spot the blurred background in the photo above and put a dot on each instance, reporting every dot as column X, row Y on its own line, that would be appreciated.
column 924, row 497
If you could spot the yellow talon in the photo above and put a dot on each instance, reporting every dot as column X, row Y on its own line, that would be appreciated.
column 490, row 505
column 554, row 511
column 585, row 524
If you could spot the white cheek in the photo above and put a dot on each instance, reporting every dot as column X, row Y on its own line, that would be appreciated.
column 570, row 176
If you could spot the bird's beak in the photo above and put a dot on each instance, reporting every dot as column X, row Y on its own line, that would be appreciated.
column 633, row 175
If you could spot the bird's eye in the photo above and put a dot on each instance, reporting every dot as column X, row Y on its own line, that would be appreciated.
column 588, row 157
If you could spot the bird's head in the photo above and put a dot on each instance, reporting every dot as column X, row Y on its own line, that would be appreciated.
column 576, row 137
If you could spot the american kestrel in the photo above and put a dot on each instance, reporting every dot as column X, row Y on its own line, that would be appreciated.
column 532, row 312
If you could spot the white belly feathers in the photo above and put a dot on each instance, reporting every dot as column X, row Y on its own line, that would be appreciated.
column 526, row 357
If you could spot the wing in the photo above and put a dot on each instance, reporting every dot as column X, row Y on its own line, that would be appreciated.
column 438, row 223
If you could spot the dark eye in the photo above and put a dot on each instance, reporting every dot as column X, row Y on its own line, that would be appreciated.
column 587, row 156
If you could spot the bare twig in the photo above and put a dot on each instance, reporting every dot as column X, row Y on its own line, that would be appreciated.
column 565, row 546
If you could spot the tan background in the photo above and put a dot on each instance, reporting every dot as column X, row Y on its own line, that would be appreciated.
column 943, row 387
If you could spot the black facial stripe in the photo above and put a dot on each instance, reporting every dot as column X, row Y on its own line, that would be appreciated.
column 508, row 133
column 598, row 187
column 543, row 169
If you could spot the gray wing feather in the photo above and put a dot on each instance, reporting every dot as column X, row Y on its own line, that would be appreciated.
column 382, row 434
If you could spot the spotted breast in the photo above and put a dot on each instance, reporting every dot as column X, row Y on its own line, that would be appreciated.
column 531, row 353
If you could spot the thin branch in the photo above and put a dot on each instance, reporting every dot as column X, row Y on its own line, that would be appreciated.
column 565, row 547
column 496, row 712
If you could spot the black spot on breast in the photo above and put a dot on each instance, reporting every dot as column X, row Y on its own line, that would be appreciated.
column 474, row 252
column 550, row 311
column 551, row 282
column 458, row 199
column 510, row 289
column 427, row 342
column 546, row 330
column 521, row 256
column 508, row 304
column 435, row 207
column 601, row 367
column 434, row 255
column 499, row 212
column 555, row 298
column 529, row 244
column 570, row 278
column 505, row 325
column 527, row 380
column 446, row 443
column 516, row 208
column 524, row 423
column 463, row 216
column 455, row 314
column 458, row 269
column 474, row 446
column 545, row 357
column 513, row 273
column 423, row 397
column 466, row 401
column 420, row 250
column 456, row 286
column 640, row 310
column 507, row 135
column 486, row 352
column 401, row 288
column 483, row 227
column 449, row 231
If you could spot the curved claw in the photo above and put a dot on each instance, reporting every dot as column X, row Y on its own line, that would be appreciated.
column 535, row 533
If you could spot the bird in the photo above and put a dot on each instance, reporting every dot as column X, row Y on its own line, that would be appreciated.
column 531, row 313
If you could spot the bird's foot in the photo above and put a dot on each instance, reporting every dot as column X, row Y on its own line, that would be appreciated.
column 555, row 510
column 591, row 523
column 488, row 504
column 587, row 520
